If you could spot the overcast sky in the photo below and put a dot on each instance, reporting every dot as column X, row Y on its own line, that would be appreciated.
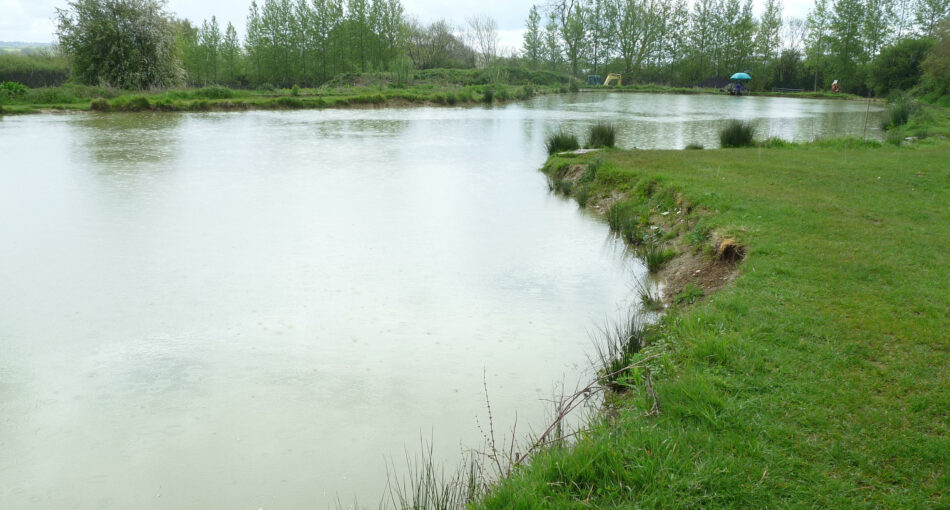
column 31, row 20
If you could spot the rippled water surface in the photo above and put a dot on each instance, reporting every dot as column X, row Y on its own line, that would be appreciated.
column 256, row 310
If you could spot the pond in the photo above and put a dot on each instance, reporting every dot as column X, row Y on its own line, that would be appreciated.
column 262, row 309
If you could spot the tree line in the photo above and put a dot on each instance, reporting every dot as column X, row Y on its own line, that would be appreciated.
column 673, row 42
column 863, row 43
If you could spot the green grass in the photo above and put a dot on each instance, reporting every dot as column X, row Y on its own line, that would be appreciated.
column 818, row 379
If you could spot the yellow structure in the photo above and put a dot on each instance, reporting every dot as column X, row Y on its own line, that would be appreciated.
column 613, row 79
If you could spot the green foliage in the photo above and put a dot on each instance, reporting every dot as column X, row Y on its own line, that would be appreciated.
column 121, row 43
column 737, row 134
column 601, row 134
column 694, row 146
column 561, row 141
column 899, row 66
column 936, row 65
column 295, row 90
column 13, row 89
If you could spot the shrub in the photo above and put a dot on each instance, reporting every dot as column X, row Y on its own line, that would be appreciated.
column 132, row 104
column 488, row 95
column 13, row 89
column 214, row 92
column 574, row 87
column 561, row 141
column 602, row 134
column 289, row 102
column 100, row 105
column 737, row 134
column 295, row 91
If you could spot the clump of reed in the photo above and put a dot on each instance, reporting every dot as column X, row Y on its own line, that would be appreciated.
column 615, row 345
column 561, row 141
column 900, row 111
column 694, row 147
column 654, row 255
column 427, row 486
column 601, row 135
column 737, row 133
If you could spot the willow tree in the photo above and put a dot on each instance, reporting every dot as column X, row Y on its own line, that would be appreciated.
column 122, row 43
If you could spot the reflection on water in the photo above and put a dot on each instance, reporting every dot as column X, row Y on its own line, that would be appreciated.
column 246, row 310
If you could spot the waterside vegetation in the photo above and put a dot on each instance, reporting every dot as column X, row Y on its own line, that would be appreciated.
column 802, row 358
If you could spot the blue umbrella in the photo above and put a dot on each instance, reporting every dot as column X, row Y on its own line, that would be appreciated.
column 740, row 76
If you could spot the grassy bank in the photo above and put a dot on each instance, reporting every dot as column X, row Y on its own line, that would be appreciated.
column 665, row 89
column 436, row 87
column 818, row 378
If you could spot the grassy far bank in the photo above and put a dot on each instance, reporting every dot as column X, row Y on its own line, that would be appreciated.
column 666, row 89
column 436, row 86
column 818, row 378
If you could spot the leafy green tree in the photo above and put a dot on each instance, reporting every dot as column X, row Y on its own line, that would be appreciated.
column 533, row 45
column 123, row 43
column 818, row 38
column 598, row 32
column 231, row 53
column 876, row 27
column 899, row 67
column 937, row 64
column 552, row 43
column 573, row 32
column 209, row 43
column 847, row 44
column 929, row 14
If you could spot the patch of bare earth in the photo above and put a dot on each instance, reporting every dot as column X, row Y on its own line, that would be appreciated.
column 709, row 270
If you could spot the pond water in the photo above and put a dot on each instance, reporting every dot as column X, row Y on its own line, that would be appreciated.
column 258, row 310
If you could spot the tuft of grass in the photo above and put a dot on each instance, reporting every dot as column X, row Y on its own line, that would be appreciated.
column 900, row 111
column 694, row 147
column 737, row 133
column 582, row 195
column 895, row 138
column 601, row 135
column 655, row 256
column 561, row 141
column 615, row 345
column 650, row 298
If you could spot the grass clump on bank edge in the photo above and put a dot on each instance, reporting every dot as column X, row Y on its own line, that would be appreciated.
column 561, row 141
column 818, row 378
column 601, row 135
column 737, row 134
